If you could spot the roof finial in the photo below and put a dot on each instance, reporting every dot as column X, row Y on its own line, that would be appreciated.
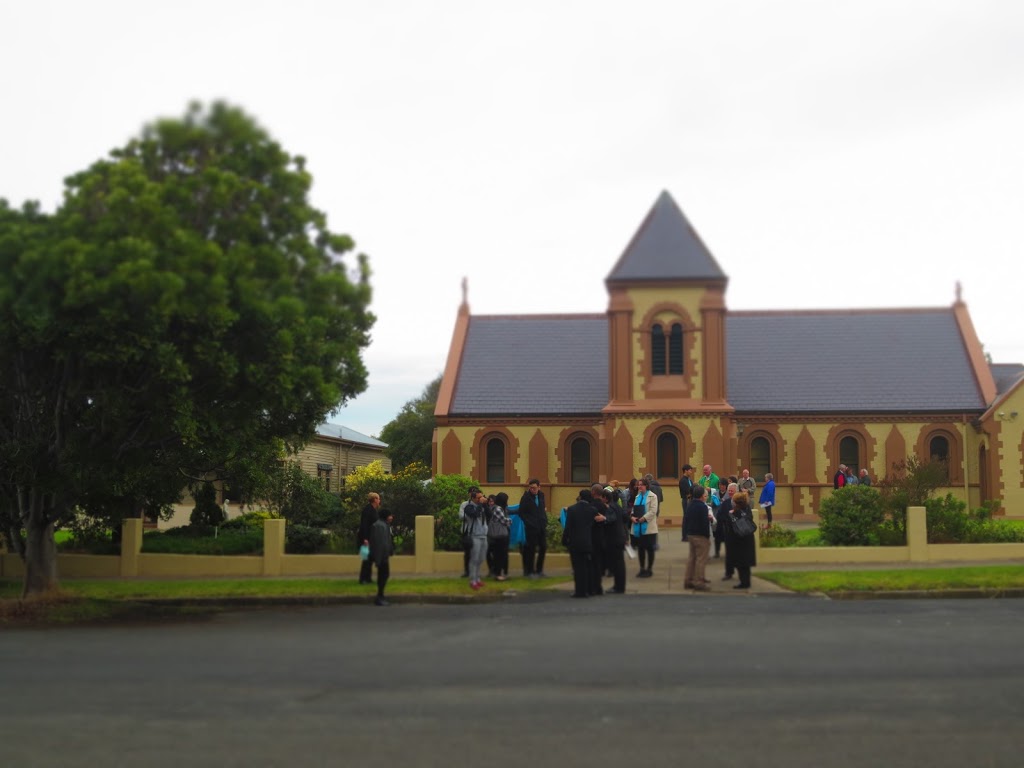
column 959, row 293
column 464, row 306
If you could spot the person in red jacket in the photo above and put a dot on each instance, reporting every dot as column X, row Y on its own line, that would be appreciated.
column 839, row 479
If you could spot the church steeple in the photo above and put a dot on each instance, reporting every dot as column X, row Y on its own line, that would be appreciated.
column 665, row 247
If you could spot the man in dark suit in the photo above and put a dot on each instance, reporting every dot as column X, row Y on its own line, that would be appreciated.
column 533, row 512
column 686, row 485
column 578, row 538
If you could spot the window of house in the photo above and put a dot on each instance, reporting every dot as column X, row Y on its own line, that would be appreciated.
column 675, row 350
column 495, row 460
column 657, row 351
column 579, row 452
column 323, row 474
column 760, row 458
column 667, row 449
column 938, row 450
column 849, row 453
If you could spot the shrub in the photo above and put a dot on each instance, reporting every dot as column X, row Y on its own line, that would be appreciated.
column 237, row 542
column 88, row 534
column 775, row 535
column 852, row 516
column 248, row 521
column 950, row 523
column 448, row 529
column 554, row 535
column 303, row 539
column 910, row 484
column 404, row 495
column 207, row 511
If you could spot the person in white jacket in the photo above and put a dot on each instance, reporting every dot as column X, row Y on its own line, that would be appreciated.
column 644, row 531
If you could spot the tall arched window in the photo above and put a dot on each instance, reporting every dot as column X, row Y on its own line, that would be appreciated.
column 938, row 450
column 579, row 453
column 849, row 453
column 657, row 351
column 495, row 460
column 675, row 350
column 760, row 458
column 667, row 455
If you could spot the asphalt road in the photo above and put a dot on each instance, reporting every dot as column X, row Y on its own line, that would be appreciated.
column 626, row 681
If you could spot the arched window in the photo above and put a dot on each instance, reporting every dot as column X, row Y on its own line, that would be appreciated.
column 849, row 453
column 675, row 350
column 667, row 455
column 579, row 453
column 657, row 351
column 760, row 458
column 495, row 460
column 938, row 451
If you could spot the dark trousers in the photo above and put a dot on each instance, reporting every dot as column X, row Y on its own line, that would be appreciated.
column 645, row 547
column 383, row 574
column 744, row 575
column 580, row 572
column 467, row 547
column 596, row 572
column 768, row 513
column 615, row 561
column 497, row 556
column 365, row 570
column 534, row 549
column 719, row 541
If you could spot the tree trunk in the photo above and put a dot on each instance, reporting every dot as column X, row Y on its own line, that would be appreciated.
column 40, row 554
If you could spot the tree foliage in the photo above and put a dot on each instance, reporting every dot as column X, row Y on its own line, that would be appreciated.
column 184, row 315
column 410, row 434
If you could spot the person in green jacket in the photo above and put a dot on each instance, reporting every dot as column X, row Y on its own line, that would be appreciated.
column 709, row 479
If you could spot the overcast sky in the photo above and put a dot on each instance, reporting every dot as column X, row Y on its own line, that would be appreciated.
column 854, row 154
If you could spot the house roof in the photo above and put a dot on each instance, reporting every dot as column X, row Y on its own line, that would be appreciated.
column 852, row 361
column 849, row 361
column 1005, row 375
column 666, row 247
column 533, row 364
column 339, row 432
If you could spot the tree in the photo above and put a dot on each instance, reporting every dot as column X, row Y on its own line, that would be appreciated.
column 410, row 434
column 184, row 316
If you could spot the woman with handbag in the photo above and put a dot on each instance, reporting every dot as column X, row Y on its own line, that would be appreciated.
column 644, row 533
column 740, row 551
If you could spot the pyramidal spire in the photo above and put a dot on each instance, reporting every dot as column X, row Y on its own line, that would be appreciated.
column 666, row 247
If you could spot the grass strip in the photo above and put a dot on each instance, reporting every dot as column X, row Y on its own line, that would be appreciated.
column 993, row 577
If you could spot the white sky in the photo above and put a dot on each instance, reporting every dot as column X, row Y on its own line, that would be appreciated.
column 830, row 154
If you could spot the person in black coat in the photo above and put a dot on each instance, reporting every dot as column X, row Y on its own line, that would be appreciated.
column 740, row 553
column 382, row 547
column 578, row 537
column 727, row 490
column 686, row 485
column 534, row 514
column 614, row 526
column 597, row 536
column 367, row 518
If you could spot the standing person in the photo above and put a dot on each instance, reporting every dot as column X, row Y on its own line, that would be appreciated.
column 367, row 519
column 839, row 478
column 741, row 552
column 767, row 499
column 382, row 547
column 851, row 478
column 597, row 534
column 631, row 493
column 747, row 484
column 686, row 485
column 578, row 538
column 865, row 478
column 645, row 527
column 498, row 527
column 709, row 479
column 534, row 514
column 697, row 531
column 467, row 541
column 614, row 542
column 720, row 514
column 476, row 516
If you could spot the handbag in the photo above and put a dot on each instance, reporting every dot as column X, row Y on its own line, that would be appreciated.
column 743, row 527
column 364, row 552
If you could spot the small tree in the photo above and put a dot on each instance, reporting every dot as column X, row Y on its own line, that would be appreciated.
column 852, row 516
column 207, row 512
column 910, row 484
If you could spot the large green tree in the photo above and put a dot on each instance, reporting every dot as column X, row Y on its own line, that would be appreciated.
column 409, row 435
column 185, row 314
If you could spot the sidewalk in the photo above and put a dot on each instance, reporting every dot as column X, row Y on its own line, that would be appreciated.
column 670, row 567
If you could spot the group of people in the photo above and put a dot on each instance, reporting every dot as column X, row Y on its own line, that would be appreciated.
column 845, row 476
column 604, row 524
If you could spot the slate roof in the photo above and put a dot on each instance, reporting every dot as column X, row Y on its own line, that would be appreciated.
column 528, row 365
column 810, row 362
column 666, row 247
column 1005, row 375
column 849, row 362
column 339, row 432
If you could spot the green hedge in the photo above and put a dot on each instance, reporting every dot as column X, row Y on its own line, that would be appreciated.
column 175, row 541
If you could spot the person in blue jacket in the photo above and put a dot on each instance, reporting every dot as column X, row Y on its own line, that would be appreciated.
column 767, row 498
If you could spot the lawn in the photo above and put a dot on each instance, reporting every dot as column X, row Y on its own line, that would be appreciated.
column 990, row 577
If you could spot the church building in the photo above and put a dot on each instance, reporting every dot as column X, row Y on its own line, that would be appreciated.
column 668, row 376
